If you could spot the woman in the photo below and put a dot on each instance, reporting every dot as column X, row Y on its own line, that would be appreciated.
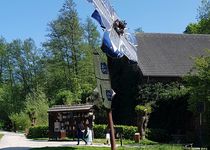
column 89, row 136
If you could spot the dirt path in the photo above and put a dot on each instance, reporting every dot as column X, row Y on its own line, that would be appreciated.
column 17, row 141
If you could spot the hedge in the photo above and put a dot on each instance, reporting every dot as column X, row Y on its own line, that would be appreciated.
column 38, row 132
column 128, row 131
column 99, row 131
column 157, row 135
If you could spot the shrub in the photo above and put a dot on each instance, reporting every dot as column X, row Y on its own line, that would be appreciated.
column 20, row 121
column 99, row 131
column 38, row 132
column 1, row 125
column 158, row 135
column 128, row 131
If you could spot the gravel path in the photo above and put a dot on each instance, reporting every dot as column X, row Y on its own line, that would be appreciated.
column 17, row 141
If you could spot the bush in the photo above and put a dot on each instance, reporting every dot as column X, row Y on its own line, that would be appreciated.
column 158, row 135
column 20, row 120
column 99, row 131
column 128, row 131
column 1, row 125
column 38, row 132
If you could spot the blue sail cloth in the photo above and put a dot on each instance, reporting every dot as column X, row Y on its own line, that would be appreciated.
column 113, row 44
column 98, row 18
column 108, row 48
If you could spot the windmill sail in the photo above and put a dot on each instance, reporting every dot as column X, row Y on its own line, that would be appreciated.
column 119, row 44
column 103, row 81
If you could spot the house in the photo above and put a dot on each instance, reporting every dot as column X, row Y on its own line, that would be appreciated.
column 162, row 58
column 63, row 120
column 169, row 56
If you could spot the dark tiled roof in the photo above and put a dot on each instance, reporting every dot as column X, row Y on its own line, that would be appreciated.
column 70, row 108
column 169, row 54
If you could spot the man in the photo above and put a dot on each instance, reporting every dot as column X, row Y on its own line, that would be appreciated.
column 80, row 133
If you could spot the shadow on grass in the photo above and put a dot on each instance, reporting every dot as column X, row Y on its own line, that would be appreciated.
column 16, row 148
column 55, row 148
column 73, row 148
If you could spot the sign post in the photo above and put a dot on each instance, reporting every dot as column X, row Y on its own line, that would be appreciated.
column 201, row 109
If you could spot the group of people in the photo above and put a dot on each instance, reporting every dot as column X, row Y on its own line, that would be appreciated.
column 84, row 133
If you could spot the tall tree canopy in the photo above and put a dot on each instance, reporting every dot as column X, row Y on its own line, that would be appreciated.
column 203, row 24
column 69, row 65
column 60, row 73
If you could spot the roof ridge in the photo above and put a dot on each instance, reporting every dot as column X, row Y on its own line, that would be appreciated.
column 173, row 34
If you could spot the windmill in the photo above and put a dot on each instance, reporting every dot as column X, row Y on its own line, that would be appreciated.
column 117, row 42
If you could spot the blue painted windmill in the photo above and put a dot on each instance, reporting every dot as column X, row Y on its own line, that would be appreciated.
column 117, row 42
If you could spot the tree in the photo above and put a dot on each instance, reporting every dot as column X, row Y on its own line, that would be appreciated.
column 152, row 97
column 69, row 64
column 91, row 43
column 36, row 106
column 65, row 97
column 198, row 82
column 203, row 24
column 143, row 112
column 202, row 27
column 64, row 53
column 204, row 10
column 20, row 121
column 140, row 30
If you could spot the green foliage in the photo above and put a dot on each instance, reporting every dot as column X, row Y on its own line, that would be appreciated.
column 99, row 131
column 198, row 81
column 149, row 147
column 140, row 30
column 153, row 92
column 64, row 51
column 142, row 109
column 20, row 121
column 38, row 132
column 65, row 97
column 204, row 10
column 128, row 131
column 36, row 107
column 202, row 27
column 69, row 61
column 1, row 125
column 158, row 135
column 63, row 69
column 203, row 24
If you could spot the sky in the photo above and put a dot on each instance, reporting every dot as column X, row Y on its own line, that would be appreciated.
column 22, row 19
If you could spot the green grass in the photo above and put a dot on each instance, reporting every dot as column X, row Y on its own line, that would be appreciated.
column 101, row 141
column 148, row 147
column 127, row 142
column 127, row 145
column 1, row 135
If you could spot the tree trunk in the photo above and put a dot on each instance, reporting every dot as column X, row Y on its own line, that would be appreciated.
column 142, row 122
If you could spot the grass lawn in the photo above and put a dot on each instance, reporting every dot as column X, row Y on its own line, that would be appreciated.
column 127, row 145
column 151, row 147
column 126, row 142
column 101, row 141
column 1, row 135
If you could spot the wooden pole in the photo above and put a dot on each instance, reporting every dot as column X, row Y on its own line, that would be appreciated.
column 111, row 126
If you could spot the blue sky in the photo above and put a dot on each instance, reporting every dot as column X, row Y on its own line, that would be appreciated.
column 29, row 18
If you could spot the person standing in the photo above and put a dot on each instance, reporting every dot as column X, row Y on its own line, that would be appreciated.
column 89, row 136
column 80, row 133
